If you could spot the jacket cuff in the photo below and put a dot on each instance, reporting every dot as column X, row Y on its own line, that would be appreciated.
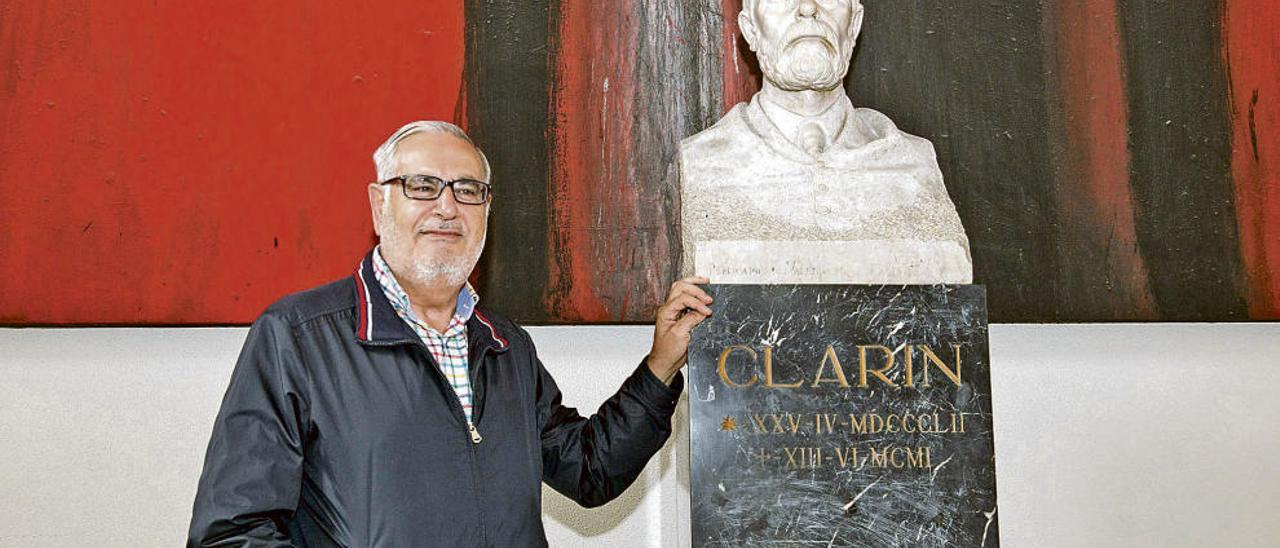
column 649, row 388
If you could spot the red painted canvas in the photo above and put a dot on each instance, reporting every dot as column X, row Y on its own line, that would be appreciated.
column 189, row 163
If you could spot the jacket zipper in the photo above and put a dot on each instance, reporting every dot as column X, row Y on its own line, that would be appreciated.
column 456, row 404
column 475, row 459
column 472, row 431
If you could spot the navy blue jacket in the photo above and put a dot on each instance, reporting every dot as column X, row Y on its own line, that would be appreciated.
column 338, row 429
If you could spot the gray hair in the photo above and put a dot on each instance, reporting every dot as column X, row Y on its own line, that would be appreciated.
column 384, row 157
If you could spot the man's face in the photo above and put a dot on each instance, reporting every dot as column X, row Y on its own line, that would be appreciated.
column 802, row 44
column 431, row 241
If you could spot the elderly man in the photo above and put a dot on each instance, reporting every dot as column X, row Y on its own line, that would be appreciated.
column 389, row 409
column 798, row 186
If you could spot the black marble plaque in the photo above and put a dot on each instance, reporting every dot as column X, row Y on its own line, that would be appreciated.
column 804, row 433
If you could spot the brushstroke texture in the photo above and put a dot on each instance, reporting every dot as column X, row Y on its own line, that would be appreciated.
column 1180, row 142
column 186, row 163
column 163, row 164
column 1101, row 275
column 1252, row 44
column 629, row 84
column 970, row 78
column 507, row 105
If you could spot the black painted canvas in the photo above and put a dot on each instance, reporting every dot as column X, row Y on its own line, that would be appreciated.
column 842, row 416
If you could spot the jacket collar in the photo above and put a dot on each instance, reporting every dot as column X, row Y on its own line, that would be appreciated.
column 484, row 333
column 378, row 324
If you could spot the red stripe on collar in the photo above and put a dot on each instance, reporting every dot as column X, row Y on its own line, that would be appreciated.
column 492, row 331
column 365, row 330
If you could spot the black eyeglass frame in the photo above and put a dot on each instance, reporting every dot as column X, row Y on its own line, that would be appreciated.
column 402, row 180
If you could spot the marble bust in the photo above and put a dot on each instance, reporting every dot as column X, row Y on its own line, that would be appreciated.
column 799, row 186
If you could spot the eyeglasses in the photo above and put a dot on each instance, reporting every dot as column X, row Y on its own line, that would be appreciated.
column 427, row 187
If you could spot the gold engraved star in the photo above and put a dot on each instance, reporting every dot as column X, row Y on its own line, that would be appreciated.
column 728, row 424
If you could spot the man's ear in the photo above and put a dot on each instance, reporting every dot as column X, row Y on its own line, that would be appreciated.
column 855, row 24
column 747, row 27
column 376, row 198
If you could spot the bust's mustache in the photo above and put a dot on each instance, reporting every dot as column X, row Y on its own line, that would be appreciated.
column 807, row 29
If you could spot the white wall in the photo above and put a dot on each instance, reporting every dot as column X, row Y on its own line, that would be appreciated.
column 1106, row 435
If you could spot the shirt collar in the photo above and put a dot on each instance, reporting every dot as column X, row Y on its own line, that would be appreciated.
column 378, row 323
column 464, row 306
column 832, row 121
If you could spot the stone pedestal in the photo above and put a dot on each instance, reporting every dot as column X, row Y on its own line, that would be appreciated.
column 842, row 416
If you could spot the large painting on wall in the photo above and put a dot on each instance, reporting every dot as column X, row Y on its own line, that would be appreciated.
column 187, row 164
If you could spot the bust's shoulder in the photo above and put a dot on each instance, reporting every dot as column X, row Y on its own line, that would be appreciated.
column 883, row 127
column 729, row 130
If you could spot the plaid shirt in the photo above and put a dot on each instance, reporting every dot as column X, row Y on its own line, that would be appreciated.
column 448, row 348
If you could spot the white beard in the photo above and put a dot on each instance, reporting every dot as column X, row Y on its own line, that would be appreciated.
column 425, row 270
column 804, row 65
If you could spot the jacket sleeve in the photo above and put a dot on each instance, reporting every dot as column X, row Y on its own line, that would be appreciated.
column 593, row 460
column 253, row 466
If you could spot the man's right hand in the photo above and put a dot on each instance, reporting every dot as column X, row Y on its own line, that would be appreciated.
column 686, row 307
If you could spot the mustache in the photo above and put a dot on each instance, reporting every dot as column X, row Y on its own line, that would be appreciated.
column 444, row 226
column 810, row 28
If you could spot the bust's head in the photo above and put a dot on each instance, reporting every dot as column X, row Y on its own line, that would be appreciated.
column 802, row 44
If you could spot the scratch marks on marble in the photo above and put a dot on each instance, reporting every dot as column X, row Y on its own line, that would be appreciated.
column 860, row 458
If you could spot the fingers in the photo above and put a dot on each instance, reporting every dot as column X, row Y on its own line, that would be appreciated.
column 680, row 303
column 686, row 323
column 686, row 307
column 690, row 284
